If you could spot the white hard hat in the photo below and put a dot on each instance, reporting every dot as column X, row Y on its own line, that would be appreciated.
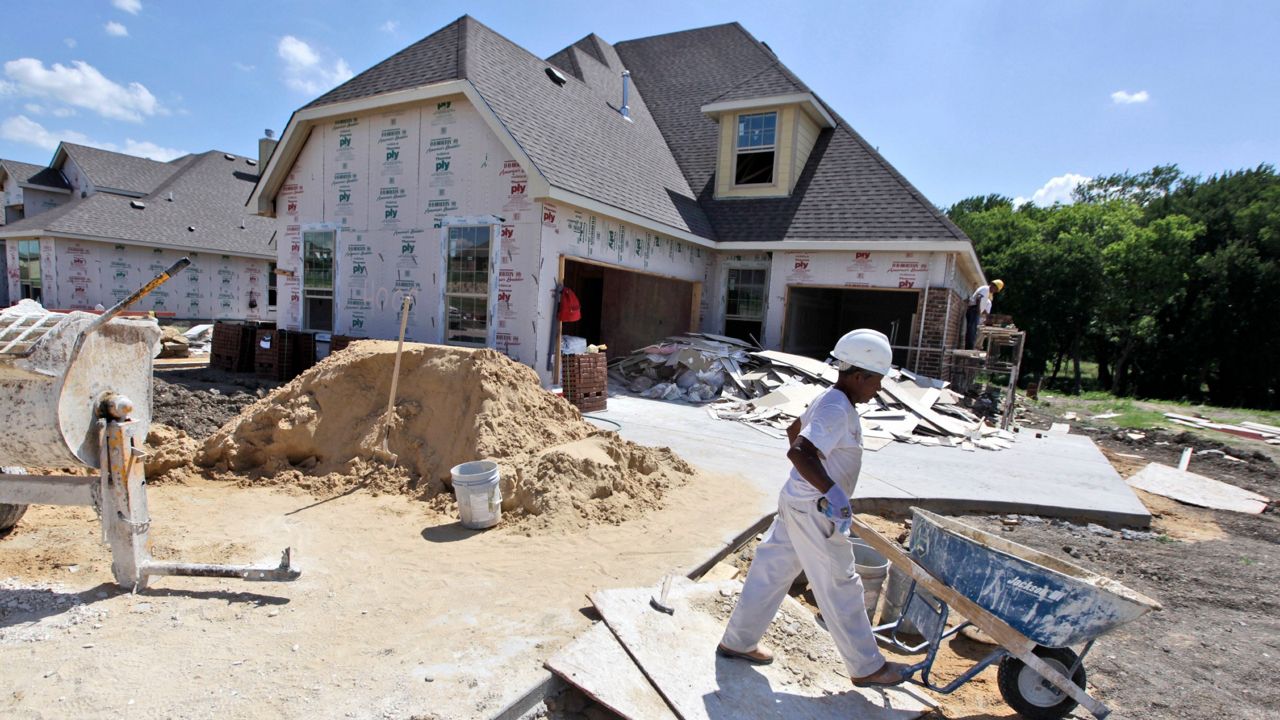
column 866, row 349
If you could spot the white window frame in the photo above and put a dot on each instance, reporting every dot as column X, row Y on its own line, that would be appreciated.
column 490, row 285
column 25, row 285
column 318, row 291
column 739, row 149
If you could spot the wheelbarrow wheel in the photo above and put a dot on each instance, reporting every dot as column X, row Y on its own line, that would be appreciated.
column 1032, row 696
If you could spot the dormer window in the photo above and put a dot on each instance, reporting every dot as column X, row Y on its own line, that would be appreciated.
column 754, row 161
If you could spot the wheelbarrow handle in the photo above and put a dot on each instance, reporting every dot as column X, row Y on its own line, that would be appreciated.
column 138, row 294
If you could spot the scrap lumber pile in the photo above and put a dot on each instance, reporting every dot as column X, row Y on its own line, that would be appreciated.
column 768, row 390
column 1269, row 434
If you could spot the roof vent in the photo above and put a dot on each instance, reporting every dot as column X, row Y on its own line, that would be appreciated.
column 626, row 87
column 251, row 161
column 555, row 76
column 229, row 156
column 191, row 228
column 169, row 197
column 137, row 205
column 242, row 224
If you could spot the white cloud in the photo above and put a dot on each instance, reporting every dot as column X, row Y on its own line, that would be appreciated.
column 33, row 108
column 69, row 42
column 151, row 150
column 81, row 85
column 63, row 112
column 1124, row 97
column 389, row 26
column 133, row 7
column 243, row 67
column 305, row 71
column 115, row 29
column 1057, row 190
column 25, row 130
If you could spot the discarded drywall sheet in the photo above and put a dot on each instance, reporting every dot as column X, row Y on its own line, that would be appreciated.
column 596, row 663
column 1198, row 490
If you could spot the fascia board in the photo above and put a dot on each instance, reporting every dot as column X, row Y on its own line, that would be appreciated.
column 558, row 194
column 59, row 235
column 714, row 110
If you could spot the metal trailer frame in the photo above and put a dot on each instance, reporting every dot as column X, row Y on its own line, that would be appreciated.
column 119, row 493
column 931, row 621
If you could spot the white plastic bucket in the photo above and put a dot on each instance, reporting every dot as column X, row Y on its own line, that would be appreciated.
column 479, row 494
column 872, row 568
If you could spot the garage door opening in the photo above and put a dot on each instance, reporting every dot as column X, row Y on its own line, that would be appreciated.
column 627, row 310
column 817, row 317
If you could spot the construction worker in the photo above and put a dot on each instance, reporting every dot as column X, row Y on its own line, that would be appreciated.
column 979, row 309
column 809, row 532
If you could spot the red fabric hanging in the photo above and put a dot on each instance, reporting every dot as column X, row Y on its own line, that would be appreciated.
column 570, row 309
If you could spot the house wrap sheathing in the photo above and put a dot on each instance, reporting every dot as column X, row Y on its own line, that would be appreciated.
column 465, row 135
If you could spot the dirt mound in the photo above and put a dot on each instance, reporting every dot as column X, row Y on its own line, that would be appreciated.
column 322, row 431
column 169, row 452
column 197, row 411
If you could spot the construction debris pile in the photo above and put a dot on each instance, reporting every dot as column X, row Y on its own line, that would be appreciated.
column 768, row 390
column 694, row 367
column 1270, row 434
column 322, row 432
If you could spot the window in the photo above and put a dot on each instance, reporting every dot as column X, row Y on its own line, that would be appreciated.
column 753, row 164
column 466, row 293
column 744, row 303
column 29, row 270
column 317, row 280
column 271, row 285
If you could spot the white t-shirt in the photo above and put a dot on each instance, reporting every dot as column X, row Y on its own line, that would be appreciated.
column 831, row 423
column 982, row 298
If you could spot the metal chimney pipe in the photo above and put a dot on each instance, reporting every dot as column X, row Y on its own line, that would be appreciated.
column 626, row 88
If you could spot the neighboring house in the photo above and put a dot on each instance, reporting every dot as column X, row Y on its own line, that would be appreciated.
column 96, row 225
column 683, row 181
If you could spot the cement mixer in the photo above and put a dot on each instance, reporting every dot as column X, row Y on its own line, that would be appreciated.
column 76, row 390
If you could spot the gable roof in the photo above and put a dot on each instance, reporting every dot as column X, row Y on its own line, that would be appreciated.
column 573, row 133
column 209, row 192
column 38, row 175
column 846, row 191
column 112, row 171
column 661, row 165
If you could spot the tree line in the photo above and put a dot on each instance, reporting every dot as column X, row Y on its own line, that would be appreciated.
column 1169, row 282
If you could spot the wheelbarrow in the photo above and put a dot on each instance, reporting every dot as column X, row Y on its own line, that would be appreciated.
column 1035, row 606
column 75, row 389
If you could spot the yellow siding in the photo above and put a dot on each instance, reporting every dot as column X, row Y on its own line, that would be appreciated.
column 784, row 164
column 806, row 135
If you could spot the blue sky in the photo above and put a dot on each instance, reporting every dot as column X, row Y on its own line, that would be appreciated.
column 963, row 97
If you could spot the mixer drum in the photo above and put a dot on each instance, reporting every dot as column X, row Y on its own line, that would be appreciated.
column 50, row 390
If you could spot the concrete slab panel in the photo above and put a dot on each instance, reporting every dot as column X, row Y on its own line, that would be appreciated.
column 597, row 664
column 677, row 653
column 1054, row 475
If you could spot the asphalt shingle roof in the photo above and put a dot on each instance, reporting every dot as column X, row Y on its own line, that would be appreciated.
column 209, row 194
column 573, row 133
column 109, row 170
column 662, row 165
column 847, row 190
column 34, row 174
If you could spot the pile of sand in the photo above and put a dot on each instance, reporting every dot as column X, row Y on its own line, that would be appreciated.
column 322, row 432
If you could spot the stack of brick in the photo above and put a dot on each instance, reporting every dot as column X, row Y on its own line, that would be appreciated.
column 268, row 354
column 232, row 348
column 586, row 381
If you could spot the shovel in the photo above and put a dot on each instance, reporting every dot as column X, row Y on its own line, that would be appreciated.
column 383, row 452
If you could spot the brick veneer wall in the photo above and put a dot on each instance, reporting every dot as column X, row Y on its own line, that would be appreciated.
column 943, row 329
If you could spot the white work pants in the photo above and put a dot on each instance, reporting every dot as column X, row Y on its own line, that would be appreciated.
column 801, row 538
